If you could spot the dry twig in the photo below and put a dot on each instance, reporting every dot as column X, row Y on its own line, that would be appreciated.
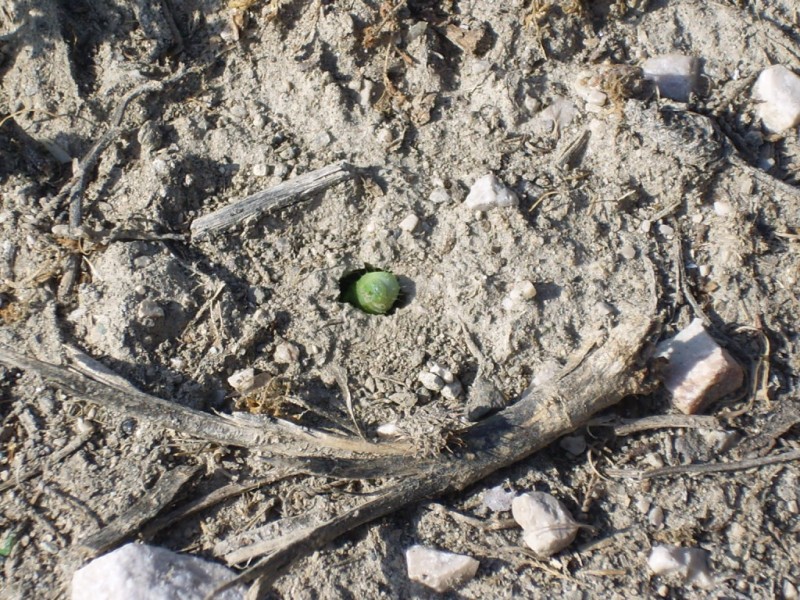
column 282, row 195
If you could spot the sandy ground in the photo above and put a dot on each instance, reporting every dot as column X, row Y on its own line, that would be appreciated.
column 422, row 98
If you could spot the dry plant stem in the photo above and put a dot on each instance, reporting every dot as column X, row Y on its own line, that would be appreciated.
column 211, row 499
column 741, row 465
column 627, row 427
column 603, row 377
column 280, row 439
column 280, row 196
column 147, row 507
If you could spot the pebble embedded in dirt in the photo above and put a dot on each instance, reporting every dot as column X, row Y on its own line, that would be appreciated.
column 440, row 571
column 137, row 571
column 487, row 193
column 674, row 75
column 242, row 380
column 698, row 371
column 778, row 91
column 484, row 397
column 410, row 223
column 286, row 353
column 547, row 525
column 574, row 444
column 691, row 563
column 430, row 381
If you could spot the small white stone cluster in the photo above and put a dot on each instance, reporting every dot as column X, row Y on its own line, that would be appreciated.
column 547, row 525
column 440, row 380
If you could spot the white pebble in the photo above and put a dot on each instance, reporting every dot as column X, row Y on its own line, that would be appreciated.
column 498, row 499
column 656, row 516
column 604, row 309
column 439, row 196
column 523, row 290
column 704, row 270
column 440, row 571
column 664, row 560
column 388, row 430
column 627, row 252
column 674, row 75
column 141, row 571
column 452, row 390
column 286, row 353
column 242, row 381
column 548, row 526
column 259, row 121
column 666, row 230
column 778, row 91
column 149, row 309
column 489, row 192
column 259, row 170
column 691, row 563
column 789, row 590
column 698, row 371
column 722, row 208
column 430, row 381
column 409, row 223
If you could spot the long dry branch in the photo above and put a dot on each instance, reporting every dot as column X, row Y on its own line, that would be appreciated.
column 599, row 380
column 271, row 437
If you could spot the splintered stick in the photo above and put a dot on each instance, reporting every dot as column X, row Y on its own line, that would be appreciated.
column 282, row 195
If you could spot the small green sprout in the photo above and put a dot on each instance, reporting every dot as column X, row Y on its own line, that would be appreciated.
column 374, row 292
column 7, row 545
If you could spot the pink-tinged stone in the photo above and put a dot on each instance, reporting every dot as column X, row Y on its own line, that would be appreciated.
column 440, row 571
column 698, row 371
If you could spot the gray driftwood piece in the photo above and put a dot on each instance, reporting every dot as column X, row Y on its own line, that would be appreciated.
column 280, row 196
column 279, row 439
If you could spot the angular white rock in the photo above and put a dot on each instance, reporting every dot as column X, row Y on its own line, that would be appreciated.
column 141, row 572
column 547, row 524
column 675, row 75
column 778, row 91
column 698, row 371
column 488, row 192
column 439, row 570
column 691, row 563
